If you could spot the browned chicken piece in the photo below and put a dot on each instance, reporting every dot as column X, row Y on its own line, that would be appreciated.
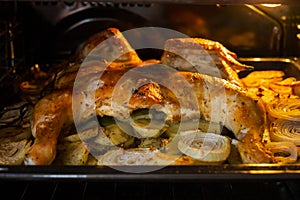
column 51, row 113
column 203, row 56
column 109, row 46
column 106, row 46
column 180, row 95
column 216, row 99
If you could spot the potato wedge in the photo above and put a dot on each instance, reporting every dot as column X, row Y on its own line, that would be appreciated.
column 71, row 153
column 13, row 153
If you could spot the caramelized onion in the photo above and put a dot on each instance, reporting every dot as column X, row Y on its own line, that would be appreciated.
column 206, row 147
column 284, row 152
column 288, row 109
column 285, row 130
column 296, row 88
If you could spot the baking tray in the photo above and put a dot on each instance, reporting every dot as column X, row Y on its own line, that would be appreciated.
column 291, row 67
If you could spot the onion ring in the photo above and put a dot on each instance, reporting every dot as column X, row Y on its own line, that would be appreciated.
column 284, row 148
column 206, row 147
column 133, row 157
column 288, row 109
column 285, row 130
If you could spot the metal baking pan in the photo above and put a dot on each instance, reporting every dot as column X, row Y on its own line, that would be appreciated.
column 182, row 173
column 291, row 67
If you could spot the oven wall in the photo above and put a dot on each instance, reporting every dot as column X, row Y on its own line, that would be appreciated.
column 55, row 30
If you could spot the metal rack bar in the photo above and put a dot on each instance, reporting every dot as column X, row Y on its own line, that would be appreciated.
column 194, row 2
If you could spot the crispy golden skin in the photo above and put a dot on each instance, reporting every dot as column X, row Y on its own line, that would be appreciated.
column 51, row 113
column 126, row 85
column 239, row 112
column 106, row 46
column 203, row 56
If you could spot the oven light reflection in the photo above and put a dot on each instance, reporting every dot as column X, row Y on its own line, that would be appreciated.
column 256, row 59
column 271, row 5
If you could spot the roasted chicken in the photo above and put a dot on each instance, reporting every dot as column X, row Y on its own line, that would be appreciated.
column 117, row 90
column 203, row 56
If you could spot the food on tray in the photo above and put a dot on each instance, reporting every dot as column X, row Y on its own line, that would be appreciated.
column 237, row 111
column 143, row 156
column 203, row 56
column 206, row 147
column 296, row 88
column 13, row 153
column 284, row 115
column 14, row 144
column 282, row 106
column 288, row 109
column 72, row 153
column 134, row 156
column 270, row 85
column 150, row 115
column 285, row 130
column 287, row 151
column 244, row 115
column 263, row 78
column 114, row 46
column 16, row 114
column 13, row 134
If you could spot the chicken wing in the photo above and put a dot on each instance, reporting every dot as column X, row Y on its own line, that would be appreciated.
column 203, row 56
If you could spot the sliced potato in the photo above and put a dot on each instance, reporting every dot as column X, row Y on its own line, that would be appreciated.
column 82, row 136
column 153, row 129
column 91, row 160
column 150, row 143
column 202, row 125
column 100, row 145
column 116, row 135
column 13, row 153
column 71, row 153
column 149, row 123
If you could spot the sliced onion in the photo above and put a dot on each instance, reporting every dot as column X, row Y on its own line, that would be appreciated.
column 206, row 147
column 153, row 129
column 133, row 157
column 288, row 109
column 285, row 130
column 296, row 88
column 283, row 148
column 148, row 123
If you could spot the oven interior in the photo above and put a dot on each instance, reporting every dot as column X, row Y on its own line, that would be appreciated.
column 44, row 33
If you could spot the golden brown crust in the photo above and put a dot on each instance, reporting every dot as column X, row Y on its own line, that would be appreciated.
column 109, row 45
column 239, row 112
column 51, row 113
column 180, row 95
column 201, row 48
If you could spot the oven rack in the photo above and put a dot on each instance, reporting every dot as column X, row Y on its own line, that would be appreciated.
column 54, row 190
